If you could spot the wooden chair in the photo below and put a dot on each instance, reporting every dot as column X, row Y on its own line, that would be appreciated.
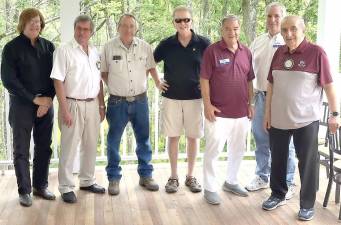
column 334, row 168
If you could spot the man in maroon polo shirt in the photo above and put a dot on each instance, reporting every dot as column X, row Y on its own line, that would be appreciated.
column 298, row 73
column 226, row 87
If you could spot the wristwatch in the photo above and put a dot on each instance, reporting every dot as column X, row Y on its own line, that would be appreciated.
column 334, row 114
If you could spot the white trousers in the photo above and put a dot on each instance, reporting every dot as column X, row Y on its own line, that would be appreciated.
column 84, row 134
column 224, row 130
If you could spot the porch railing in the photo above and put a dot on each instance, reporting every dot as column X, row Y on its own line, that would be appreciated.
column 127, row 148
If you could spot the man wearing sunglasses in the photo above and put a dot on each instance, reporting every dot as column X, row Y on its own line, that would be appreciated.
column 182, row 104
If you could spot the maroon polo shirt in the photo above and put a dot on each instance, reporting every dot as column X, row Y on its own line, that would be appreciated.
column 297, row 80
column 228, row 74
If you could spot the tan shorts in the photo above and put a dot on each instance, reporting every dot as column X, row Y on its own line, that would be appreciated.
column 179, row 115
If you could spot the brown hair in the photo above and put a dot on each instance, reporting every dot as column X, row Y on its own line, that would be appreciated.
column 26, row 15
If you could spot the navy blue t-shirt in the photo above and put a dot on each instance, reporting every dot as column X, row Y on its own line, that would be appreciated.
column 181, row 66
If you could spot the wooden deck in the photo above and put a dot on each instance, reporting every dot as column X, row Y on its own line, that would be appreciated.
column 137, row 206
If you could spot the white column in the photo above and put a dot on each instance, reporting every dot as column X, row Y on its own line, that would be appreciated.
column 329, row 30
column 69, row 10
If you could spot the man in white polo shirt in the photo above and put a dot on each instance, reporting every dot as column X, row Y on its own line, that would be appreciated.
column 79, row 91
column 125, row 63
column 263, row 49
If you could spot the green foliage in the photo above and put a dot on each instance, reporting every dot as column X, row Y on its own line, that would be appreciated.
column 155, row 20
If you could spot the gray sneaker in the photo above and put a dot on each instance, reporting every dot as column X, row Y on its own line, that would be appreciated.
column 212, row 197
column 149, row 183
column 172, row 185
column 306, row 214
column 114, row 187
column 235, row 189
column 272, row 203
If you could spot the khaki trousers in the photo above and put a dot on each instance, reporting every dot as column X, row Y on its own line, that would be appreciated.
column 84, row 134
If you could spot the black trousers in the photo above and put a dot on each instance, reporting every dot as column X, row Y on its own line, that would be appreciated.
column 306, row 146
column 23, row 118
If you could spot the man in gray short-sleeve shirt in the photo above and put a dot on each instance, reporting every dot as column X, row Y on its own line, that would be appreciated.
column 298, row 73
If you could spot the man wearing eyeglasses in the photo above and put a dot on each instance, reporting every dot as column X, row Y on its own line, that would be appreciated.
column 182, row 103
column 79, row 91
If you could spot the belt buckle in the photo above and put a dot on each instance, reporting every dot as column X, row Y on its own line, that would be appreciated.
column 130, row 99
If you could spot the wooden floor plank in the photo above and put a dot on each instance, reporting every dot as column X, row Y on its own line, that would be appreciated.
column 137, row 206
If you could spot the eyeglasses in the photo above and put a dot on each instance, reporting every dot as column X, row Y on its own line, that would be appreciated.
column 178, row 20
column 34, row 21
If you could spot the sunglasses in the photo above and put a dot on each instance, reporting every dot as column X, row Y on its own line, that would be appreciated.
column 178, row 20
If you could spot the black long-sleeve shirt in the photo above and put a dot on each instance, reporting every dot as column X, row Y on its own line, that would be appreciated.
column 25, row 69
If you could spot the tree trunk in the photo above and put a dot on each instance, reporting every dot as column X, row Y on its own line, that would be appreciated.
column 249, row 9
column 202, row 27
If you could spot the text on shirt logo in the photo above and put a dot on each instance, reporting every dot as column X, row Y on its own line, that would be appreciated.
column 224, row 61
column 116, row 57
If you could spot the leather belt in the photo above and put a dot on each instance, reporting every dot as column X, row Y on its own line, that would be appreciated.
column 129, row 98
column 263, row 92
column 81, row 100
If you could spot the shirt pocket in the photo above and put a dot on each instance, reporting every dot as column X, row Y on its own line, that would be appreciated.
column 141, row 61
column 116, row 66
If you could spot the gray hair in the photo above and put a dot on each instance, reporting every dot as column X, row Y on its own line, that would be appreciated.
column 230, row 17
column 276, row 4
column 130, row 16
column 182, row 8
column 84, row 18
column 297, row 18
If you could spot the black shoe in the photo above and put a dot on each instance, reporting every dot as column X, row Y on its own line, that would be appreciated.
column 306, row 214
column 273, row 202
column 25, row 200
column 44, row 193
column 95, row 188
column 69, row 197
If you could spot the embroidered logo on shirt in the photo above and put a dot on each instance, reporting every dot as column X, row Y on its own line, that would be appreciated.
column 288, row 64
column 98, row 65
column 301, row 64
column 224, row 61
column 116, row 57
column 194, row 49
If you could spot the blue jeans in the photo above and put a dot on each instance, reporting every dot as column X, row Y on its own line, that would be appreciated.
column 262, row 153
column 119, row 113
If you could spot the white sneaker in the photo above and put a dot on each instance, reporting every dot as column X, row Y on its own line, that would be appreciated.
column 291, row 192
column 256, row 184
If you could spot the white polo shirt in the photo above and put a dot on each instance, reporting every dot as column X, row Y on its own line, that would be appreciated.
column 262, row 49
column 127, row 68
column 79, row 71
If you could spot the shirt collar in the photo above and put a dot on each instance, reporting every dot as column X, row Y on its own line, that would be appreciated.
column 133, row 44
column 194, row 38
column 26, row 40
column 299, row 49
column 223, row 45
column 75, row 44
column 274, row 36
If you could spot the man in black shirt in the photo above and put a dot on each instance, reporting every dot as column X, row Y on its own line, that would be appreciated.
column 25, row 72
column 182, row 103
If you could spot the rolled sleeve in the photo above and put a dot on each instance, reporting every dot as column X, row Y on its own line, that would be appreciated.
column 150, row 58
column 59, row 65
column 104, row 59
